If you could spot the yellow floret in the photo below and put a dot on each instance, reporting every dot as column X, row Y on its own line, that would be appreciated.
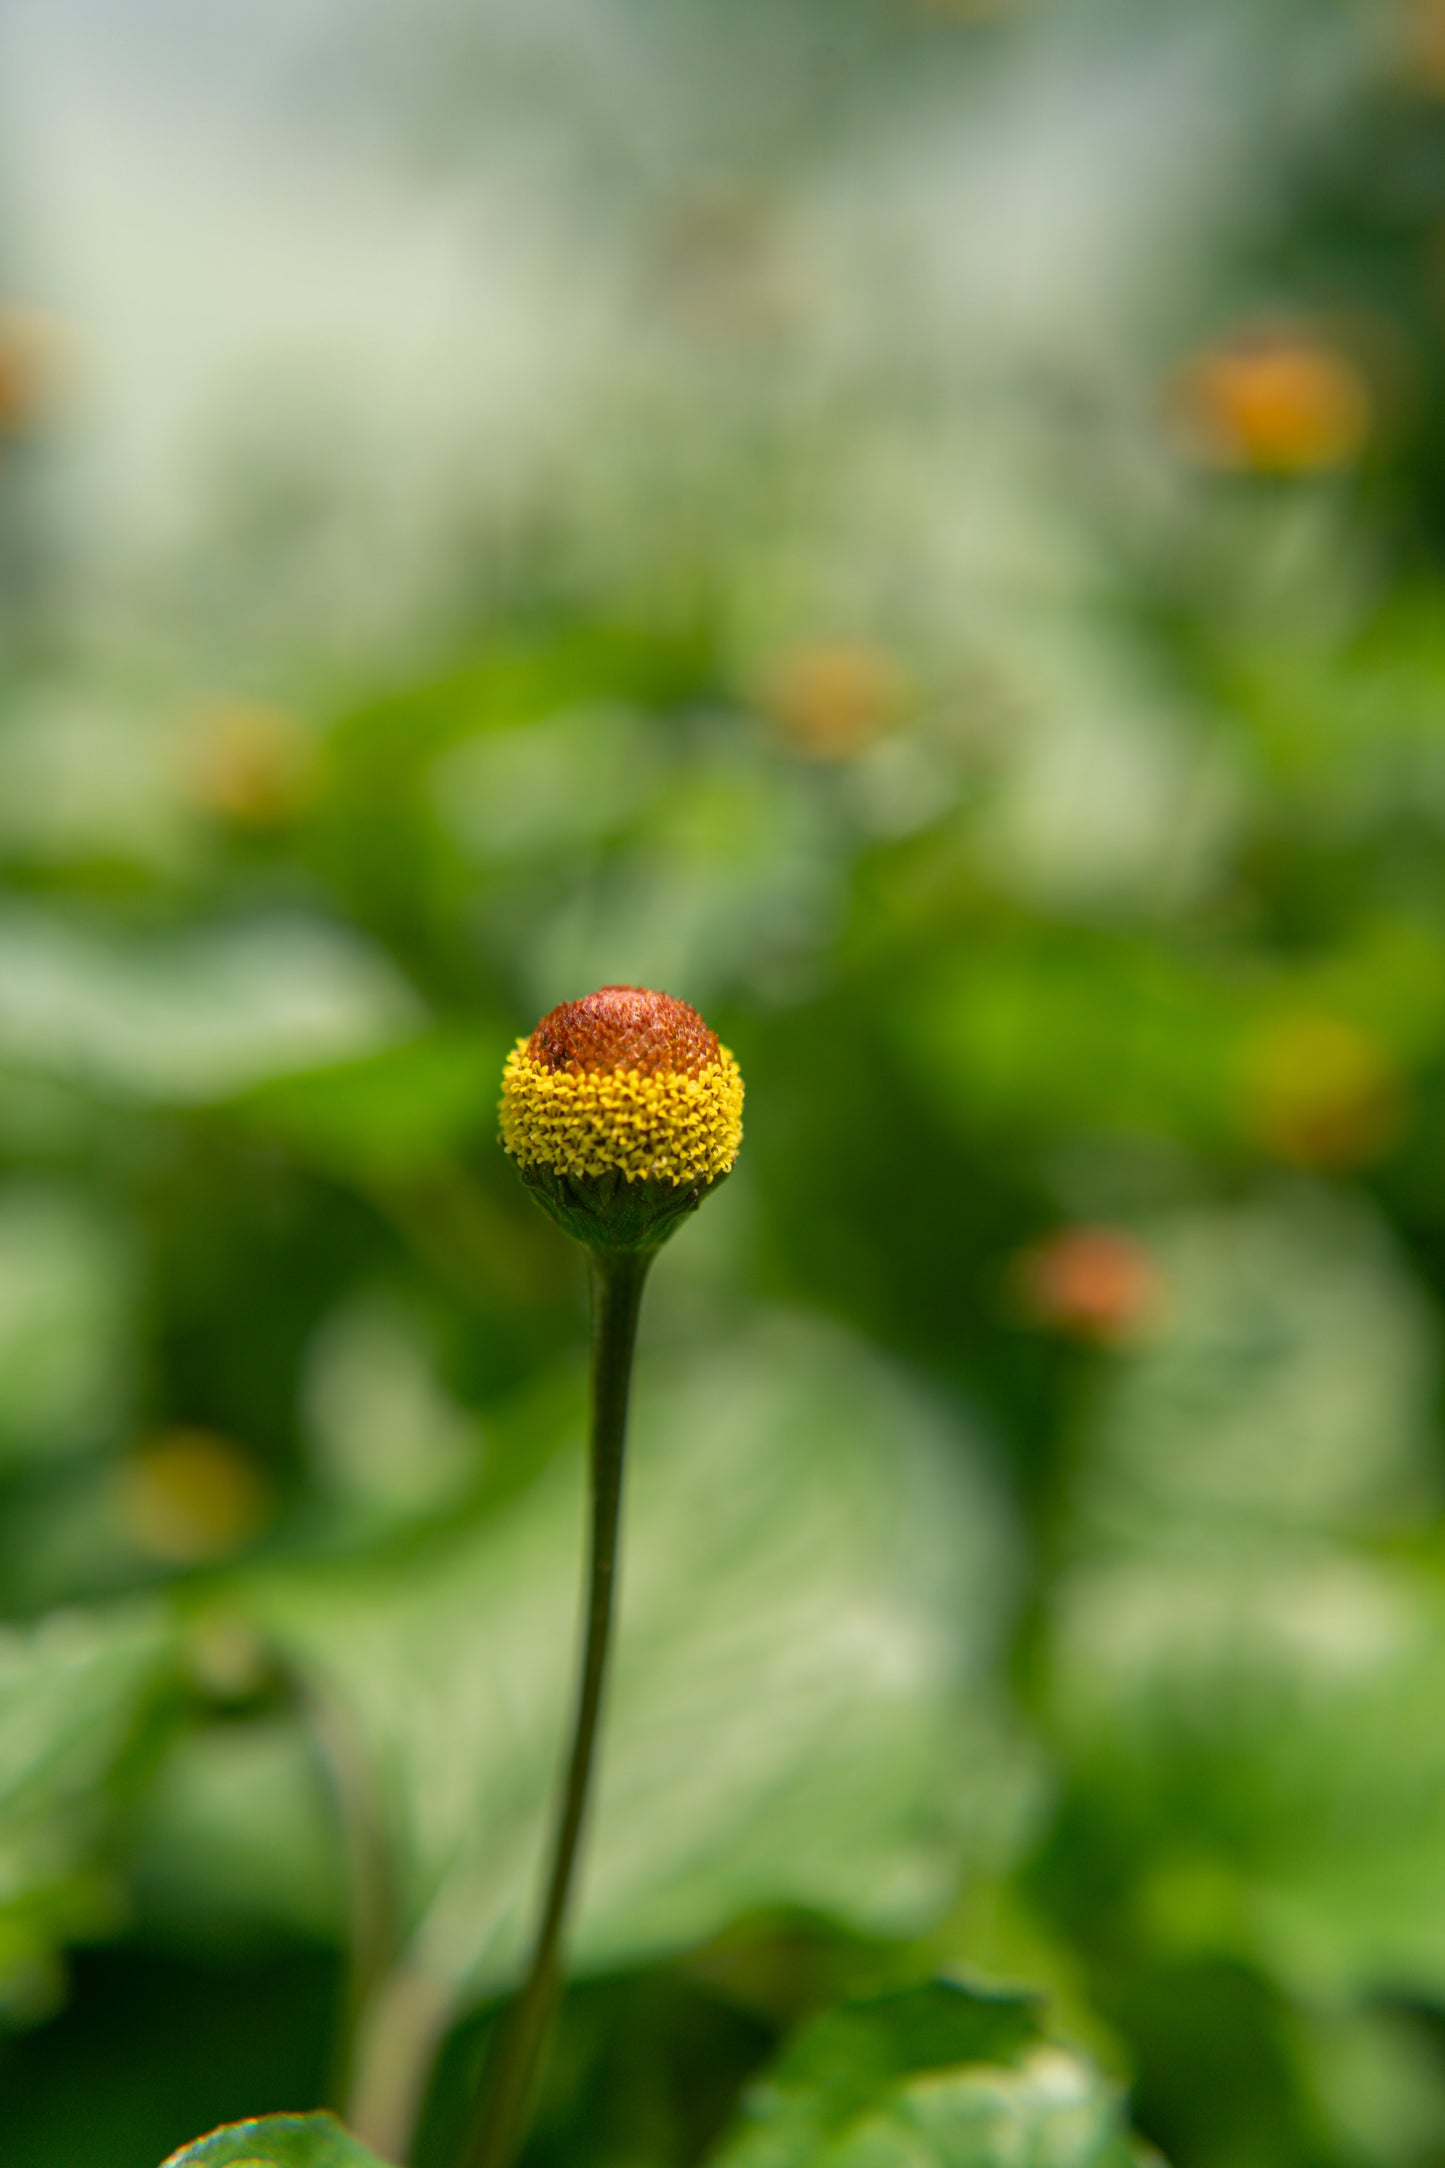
column 660, row 1127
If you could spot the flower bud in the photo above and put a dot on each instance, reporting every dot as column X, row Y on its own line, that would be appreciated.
column 1099, row 1285
column 622, row 1111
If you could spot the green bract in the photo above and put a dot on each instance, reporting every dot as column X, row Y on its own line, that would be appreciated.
column 607, row 1212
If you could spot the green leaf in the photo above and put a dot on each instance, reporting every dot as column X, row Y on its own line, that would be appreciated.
column 253, row 1793
column 948, row 2075
column 1289, row 1383
column 497, row 792
column 197, row 1016
column 734, row 883
column 277, row 2141
column 1258, row 1738
column 389, row 1438
column 1137, row 1036
column 1373, row 2076
column 815, row 1578
column 68, row 1300
column 74, row 1695
column 389, row 1112
column 1244, row 1699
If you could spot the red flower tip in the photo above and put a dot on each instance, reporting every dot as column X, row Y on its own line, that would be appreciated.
column 624, row 1027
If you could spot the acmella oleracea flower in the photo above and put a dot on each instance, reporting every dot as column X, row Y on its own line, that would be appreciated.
column 622, row 1111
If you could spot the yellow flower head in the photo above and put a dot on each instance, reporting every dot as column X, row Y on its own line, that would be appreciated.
column 626, row 1091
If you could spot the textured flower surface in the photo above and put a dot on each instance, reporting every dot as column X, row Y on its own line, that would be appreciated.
column 624, row 1083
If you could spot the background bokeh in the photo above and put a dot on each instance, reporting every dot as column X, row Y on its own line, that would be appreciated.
column 918, row 525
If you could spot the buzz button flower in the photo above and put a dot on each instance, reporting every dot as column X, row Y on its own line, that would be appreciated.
column 622, row 1111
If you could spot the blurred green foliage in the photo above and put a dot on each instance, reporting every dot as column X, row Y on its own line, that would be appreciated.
column 915, row 525
column 940, row 2073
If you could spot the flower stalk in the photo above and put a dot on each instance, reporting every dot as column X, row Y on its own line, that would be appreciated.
column 622, row 1111
column 617, row 1281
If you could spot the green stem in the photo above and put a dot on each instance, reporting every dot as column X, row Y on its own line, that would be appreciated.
column 617, row 1280
column 368, row 1873
column 399, row 2034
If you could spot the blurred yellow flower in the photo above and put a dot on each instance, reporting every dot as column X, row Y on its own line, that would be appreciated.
column 187, row 1496
column 1317, row 1091
column 248, row 763
column 1421, row 45
column 831, row 699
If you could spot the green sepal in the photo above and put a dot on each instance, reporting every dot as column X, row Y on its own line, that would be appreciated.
column 609, row 1213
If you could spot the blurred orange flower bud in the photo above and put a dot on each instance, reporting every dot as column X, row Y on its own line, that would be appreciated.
column 1279, row 400
column 35, row 356
column 1098, row 1284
